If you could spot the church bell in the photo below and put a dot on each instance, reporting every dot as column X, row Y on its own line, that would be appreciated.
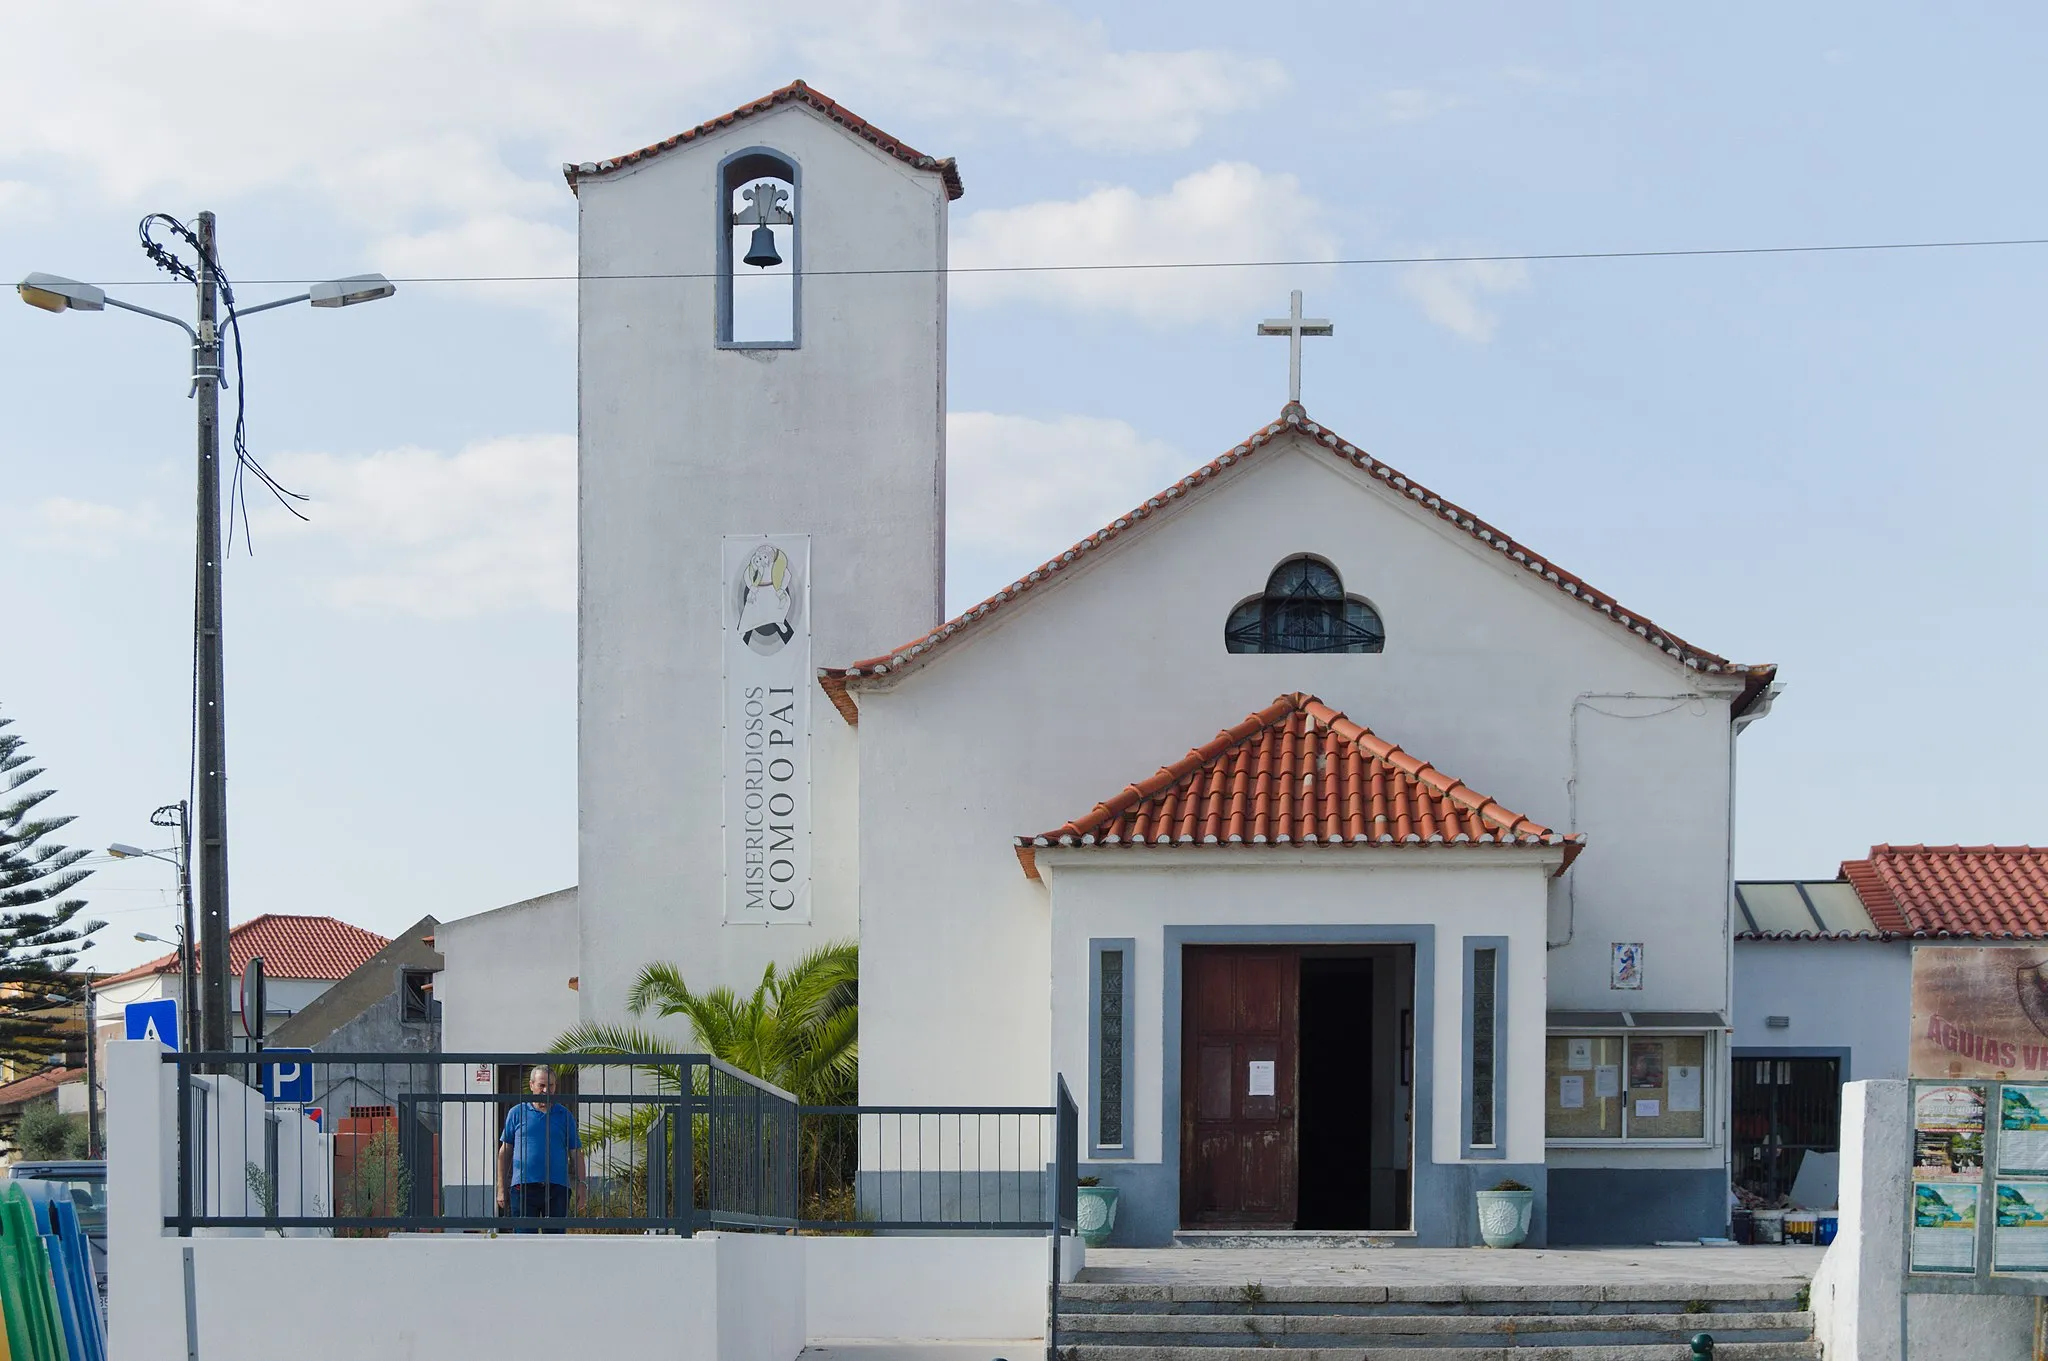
column 762, row 253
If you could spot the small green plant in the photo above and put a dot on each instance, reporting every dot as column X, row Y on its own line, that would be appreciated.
column 1803, row 1299
column 262, row 1187
column 1252, row 1292
column 1510, row 1184
column 1088, row 1181
column 1698, row 1307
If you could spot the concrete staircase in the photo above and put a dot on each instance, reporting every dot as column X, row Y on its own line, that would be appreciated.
column 1636, row 1321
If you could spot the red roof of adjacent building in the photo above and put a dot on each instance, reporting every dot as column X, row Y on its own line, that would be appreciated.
column 1293, row 418
column 1968, row 891
column 1298, row 772
column 318, row 948
column 27, row 1089
column 796, row 92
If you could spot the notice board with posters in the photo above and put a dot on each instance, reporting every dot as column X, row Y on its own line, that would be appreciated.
column 1978, row 1063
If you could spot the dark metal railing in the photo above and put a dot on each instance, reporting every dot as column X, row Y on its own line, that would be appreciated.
column 370, row 1144
column 366, row 1145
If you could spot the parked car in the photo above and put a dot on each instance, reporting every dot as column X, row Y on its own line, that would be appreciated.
column 84, row 1184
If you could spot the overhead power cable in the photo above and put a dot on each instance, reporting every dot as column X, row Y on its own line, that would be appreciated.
column 1537, row 257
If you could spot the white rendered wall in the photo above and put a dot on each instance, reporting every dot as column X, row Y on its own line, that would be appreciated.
column 1137, row 893
column 1856, row 1291
column 732, row 1297
column 505, row 984
column 1837, row 994
column 682, row 443
column 947, row 1289
column 1058, row 701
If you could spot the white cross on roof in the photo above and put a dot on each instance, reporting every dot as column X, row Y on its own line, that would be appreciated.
column 1294, row 326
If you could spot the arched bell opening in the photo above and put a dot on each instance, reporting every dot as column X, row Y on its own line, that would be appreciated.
column 758, row 275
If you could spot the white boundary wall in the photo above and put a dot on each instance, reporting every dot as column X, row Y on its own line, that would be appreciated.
column 943, row 1289
column 732, row 1297
column 1856, row 1291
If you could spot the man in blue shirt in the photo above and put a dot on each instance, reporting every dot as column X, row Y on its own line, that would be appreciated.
column 540, row 1154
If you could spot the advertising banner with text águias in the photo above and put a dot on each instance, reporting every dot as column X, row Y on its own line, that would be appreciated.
column 1979, row 1011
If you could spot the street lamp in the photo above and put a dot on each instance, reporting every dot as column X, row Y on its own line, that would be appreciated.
column 54, row 293
column 188, row 1018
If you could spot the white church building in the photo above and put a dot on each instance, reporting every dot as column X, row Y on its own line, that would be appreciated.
column 1342, row 852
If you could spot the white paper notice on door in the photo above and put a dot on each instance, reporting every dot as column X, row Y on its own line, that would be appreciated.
column 1571, row 1093
column 1685, row 1088
column 1607, row 1081
column 1649, row 1109
column 1260, row 1081
column 1578, row 1054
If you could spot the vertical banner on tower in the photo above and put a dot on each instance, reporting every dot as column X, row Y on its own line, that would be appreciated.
column 765, row 619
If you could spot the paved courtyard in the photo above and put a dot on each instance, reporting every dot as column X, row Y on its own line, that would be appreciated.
column 1540, row 1267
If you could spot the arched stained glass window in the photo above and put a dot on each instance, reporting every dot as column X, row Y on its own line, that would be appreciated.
column 1304, row 609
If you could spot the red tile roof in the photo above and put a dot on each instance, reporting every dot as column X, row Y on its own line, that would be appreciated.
column 319, row 948
column 1293, row 418
column 24, row 1090
column 796, row 92
column 1297, row 772
column 1980, row 892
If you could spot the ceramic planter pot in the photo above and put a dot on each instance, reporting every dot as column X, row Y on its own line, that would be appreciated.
column 1096, row 1214
column 1504, row 1217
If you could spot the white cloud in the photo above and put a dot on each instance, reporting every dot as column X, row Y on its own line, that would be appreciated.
column 1227, row 213
column 1020, row 489
column 495, row 245
column 431, row 128
column 1450, row 294
column 1037, row 67
column 23, row 202
column 486, row 530
column 64, row 525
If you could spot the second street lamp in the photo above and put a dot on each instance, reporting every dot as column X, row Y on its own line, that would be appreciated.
column 53, row 293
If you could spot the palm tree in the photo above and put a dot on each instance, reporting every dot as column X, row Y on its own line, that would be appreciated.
column 800, row 1028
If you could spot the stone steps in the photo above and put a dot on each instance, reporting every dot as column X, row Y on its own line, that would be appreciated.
column 1673, row 1351
column 1634, row 1321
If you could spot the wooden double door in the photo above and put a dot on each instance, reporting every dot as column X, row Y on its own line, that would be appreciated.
column 1295, row 1100
column 1240, row 1013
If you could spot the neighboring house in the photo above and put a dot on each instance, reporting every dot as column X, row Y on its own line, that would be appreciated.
column 1823, row 988
column 386, row 1006
column 302, row 958
column 1444, row 902
column 65, row 1086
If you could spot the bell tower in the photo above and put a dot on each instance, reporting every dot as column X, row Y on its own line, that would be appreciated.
column 761, row 482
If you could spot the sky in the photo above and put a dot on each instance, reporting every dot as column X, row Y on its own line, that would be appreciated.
column 1831, row 461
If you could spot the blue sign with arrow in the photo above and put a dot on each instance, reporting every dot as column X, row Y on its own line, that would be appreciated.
column 154, row 1021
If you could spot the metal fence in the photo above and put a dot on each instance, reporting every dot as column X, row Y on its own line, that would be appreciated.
column 371, row 1144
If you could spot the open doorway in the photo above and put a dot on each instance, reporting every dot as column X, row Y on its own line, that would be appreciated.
column 1357, row 1072
column 1297, row 1087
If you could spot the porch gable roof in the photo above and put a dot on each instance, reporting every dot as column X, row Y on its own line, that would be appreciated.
column 1298, row 772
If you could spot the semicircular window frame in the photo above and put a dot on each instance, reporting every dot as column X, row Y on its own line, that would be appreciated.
column 1304, row 609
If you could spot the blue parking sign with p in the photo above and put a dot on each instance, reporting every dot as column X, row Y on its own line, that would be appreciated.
column 291, row 1080
column 153, row 1021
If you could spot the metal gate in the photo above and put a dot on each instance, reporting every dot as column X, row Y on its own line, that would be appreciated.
column 1784, row 1108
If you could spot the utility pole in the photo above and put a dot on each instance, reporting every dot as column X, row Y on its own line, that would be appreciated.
column 92, row 1069
column 211, row 699
column 54, row 293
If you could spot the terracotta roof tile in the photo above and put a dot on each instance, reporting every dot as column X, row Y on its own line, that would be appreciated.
column 319, row 948
column 1977, row 892
column 1297, row 773
column 1293, row 418
column 796, row 92
column 27, row 1089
